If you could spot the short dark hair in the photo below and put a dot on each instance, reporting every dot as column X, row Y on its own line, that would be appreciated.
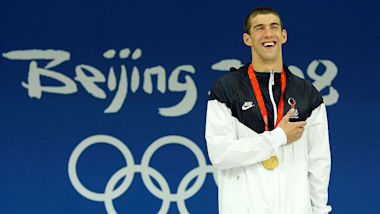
column 258, row 11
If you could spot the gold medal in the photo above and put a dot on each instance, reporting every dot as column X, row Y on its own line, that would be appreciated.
column 271, row 163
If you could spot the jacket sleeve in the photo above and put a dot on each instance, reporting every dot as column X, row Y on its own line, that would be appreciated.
column 319, row 160
column 225, row 148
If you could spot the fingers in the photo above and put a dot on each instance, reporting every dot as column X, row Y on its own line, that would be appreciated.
column 289, row 114
column 300, row 124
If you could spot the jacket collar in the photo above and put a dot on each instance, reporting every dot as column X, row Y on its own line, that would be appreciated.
column 263, row 76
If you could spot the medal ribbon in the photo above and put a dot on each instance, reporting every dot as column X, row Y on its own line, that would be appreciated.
column 260, row 100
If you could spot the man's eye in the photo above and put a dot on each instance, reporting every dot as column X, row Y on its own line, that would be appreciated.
column 275, row 27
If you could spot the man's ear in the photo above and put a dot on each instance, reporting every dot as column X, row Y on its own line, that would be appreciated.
column 284, row 36
column 247, row 39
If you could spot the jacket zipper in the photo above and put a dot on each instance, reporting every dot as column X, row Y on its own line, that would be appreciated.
column 271, row 83
column 270, row 87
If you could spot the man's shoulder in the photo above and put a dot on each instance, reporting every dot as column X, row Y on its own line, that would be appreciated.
column 228, row 86
column 305, row 87
column 234, row 77
column 299, row 82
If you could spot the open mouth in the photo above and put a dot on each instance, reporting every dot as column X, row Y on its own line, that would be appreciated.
column 269, row 44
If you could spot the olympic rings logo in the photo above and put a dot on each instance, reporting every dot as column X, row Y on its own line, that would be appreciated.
column 146, row 171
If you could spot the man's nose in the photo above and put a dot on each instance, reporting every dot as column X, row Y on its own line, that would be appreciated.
column 268, row 32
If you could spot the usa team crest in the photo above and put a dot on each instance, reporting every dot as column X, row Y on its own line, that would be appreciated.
column 292, row 103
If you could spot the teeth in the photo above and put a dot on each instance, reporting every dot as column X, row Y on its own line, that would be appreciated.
column 269, row 44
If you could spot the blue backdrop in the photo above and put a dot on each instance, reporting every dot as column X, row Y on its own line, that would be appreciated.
column 103, row 102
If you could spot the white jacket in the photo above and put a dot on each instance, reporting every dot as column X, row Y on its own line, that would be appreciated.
column 298, row 185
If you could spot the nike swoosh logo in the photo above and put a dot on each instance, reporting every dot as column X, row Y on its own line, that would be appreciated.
column 245, row 107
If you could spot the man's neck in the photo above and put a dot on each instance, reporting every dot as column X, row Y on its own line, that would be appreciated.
column 267, row 66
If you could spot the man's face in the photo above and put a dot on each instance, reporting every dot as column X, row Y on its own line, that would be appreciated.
column 266, row 37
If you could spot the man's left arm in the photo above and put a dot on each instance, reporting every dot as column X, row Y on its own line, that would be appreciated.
column 319, row 160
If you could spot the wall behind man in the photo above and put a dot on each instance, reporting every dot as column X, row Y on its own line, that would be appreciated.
column 103, row 103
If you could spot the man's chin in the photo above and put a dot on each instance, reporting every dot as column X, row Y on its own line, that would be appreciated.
column 269, row 58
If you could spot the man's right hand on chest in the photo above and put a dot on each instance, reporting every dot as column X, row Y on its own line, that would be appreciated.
column 293, row 130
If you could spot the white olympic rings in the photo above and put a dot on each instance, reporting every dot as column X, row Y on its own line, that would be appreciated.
column 146, row 171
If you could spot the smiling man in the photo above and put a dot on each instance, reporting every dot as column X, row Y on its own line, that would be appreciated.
column 266, row 131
